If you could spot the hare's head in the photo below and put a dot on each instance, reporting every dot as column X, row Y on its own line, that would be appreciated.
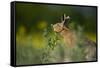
column 58, row 27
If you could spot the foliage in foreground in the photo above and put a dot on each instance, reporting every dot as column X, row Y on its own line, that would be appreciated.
column 54, row 50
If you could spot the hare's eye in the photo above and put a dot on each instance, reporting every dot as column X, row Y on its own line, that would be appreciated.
column 57, row 25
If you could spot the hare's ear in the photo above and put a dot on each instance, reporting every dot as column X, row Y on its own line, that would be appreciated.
column 63, row 19
column 66, row 20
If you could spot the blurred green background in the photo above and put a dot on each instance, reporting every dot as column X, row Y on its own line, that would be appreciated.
column 32, row 19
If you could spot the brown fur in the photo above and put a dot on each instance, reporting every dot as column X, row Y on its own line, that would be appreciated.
column 71, row 39
column 66, row 33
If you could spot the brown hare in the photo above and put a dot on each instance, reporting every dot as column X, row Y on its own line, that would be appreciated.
column 66, row 33
column 71, row 39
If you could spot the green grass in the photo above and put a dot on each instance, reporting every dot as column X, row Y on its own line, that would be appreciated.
column 47, row 47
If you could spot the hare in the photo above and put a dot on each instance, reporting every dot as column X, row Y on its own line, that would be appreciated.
column 71, row 39
column 65, row 32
